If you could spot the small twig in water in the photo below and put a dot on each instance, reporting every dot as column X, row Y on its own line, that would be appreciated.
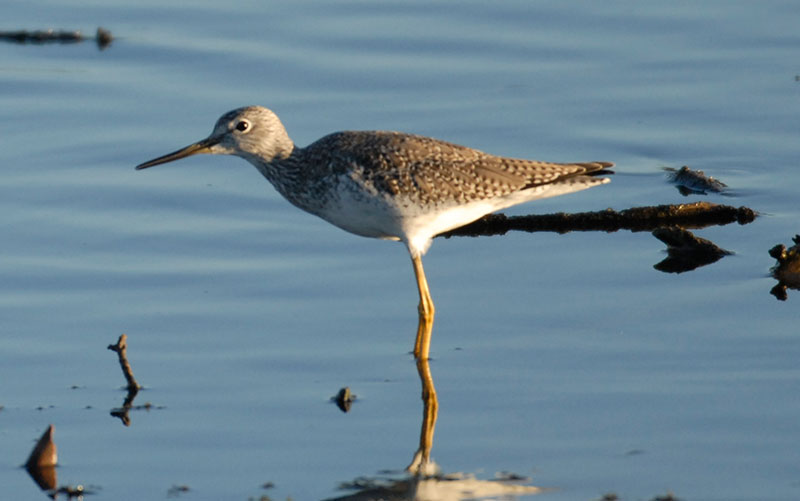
column 121, row 348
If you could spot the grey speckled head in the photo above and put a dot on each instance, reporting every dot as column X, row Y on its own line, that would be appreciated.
column 253, row 133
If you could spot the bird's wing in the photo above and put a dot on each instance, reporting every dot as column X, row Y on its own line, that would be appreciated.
column 431, row 170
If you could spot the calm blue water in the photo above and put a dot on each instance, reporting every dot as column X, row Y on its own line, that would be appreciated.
column 566, row 358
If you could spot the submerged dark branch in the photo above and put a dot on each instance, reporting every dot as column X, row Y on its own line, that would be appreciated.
column 695, row 215
column 103, row 37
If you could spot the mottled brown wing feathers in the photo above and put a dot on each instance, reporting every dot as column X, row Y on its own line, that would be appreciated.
column 431, row 169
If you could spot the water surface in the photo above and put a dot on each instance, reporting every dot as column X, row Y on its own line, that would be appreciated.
column 565, row 358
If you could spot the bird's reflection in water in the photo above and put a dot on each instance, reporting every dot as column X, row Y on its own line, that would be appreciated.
column 423, row 479
column 422, row 465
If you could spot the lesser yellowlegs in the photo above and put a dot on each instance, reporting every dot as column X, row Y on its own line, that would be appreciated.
column 388, row 185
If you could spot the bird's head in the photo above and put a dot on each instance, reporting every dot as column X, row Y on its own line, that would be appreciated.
column 253, row 133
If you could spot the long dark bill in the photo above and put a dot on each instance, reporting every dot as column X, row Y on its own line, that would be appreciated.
column 203, row 146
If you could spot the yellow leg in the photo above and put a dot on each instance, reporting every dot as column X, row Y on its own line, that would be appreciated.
column 426, row 310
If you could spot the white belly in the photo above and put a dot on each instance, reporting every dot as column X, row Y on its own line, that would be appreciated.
column 397, row 218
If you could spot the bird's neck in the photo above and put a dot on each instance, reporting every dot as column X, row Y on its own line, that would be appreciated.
column 287, row 172
column 279, row 168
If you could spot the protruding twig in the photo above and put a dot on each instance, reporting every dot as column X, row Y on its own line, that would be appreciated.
column 44, row 453
column 344, row 399
column 121, row 348
column 42, row 462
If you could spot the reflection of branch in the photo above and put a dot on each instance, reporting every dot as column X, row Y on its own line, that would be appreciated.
column 121, row 348
column 127, row 405
column 686, row 251
column 695, row 215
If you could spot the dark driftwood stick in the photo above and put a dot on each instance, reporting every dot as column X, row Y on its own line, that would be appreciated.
column 121, row 348
column 696, row 215
column 103, row 37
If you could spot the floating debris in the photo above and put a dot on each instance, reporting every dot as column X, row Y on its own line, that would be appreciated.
column 73, row 491
column 668, row 497
column 611, row 496
column 787, row 270
column 44, row 453
column 41, row 464
column 361, row 483
column 686, row 251
column 42, row 36
column 103, row 37
column 344, row 399
column 694, row 215
column 176, row 490
column 695, row 182
column 510, row 476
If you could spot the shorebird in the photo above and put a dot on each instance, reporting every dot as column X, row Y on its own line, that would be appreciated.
column 389, row 185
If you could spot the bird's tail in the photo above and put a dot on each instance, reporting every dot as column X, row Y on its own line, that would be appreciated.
column 596, row 168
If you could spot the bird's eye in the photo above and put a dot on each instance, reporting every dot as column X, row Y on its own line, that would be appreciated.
column 243, row 126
